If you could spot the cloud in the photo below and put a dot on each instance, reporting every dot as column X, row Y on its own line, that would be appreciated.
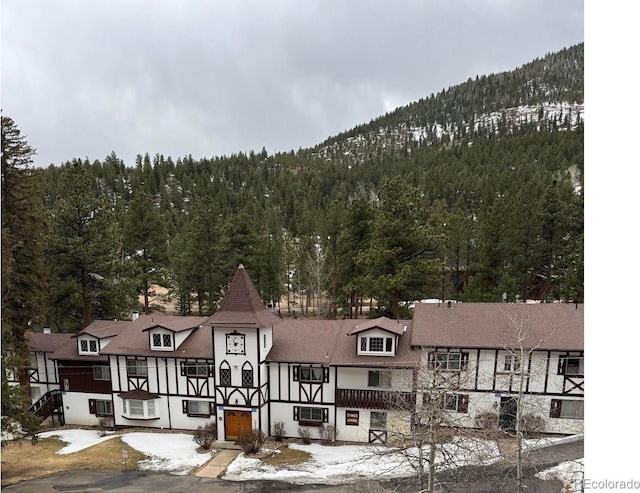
column 217, row 77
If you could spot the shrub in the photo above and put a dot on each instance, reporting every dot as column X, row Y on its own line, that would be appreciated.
column 278, row 430
column 305, row 434
column 251, row 441
column 487, row 420
column 206, row 436
column 532, row 424
column 328, row 434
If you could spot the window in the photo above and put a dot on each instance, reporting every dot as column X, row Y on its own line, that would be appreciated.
column 196, row 369
column 456, row 402
column 378, row 420
column 198, row 408
column 136, row 368
column 88, row 346
column 311, row 416
column 104, row 408
column 511, row 363
column 100, row 407
column 376, row 345
column 564, row 408
column 101, row 372
column 379, row 378
column 310, row 374
column 247, row 375
column 136, row 407
column 571, row 365
column 139, row 409
column 225, row 376
column 448, row 361
column 161, row 341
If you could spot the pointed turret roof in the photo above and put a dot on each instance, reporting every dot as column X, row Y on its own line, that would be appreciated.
column 242, row 305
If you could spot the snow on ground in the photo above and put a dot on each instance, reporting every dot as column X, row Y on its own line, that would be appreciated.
column 571, row 473
column 171, row 452
column 177, row 453
column 348, row 463
column 77, row 439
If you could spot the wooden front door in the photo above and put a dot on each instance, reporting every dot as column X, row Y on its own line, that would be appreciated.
column 236, row 422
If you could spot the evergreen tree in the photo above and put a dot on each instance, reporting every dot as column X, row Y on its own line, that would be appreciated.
column 400, row 261
column 146, row 245
column 82, row 252
column 23, row 271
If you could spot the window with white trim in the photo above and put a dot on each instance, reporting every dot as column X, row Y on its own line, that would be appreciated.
column 196, row 369
column 88, row 346
column 567, row 408
column 137, row 368
column 311, row 374
column 139, row 409
column 379, row 379
column 101, row 372
column 313, row 414
column 161, row 341
column 453, row 361
column 376, row 345
column 104, row 408
column 571, row 365
column 198, row 408
column 456, row 403
column 511, row 363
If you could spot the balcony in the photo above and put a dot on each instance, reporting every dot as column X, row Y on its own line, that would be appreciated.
column 375, row 399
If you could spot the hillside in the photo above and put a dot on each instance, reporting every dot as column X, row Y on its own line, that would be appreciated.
column 469, row 193
column 544, row 94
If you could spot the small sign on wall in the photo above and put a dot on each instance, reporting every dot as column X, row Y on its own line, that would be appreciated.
column 352, row 418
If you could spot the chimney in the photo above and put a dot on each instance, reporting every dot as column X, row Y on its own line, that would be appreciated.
column 134, row 316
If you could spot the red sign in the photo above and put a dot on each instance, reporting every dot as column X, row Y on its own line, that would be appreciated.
column 353, row 418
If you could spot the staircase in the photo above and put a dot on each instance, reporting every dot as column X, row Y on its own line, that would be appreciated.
column 49, row 405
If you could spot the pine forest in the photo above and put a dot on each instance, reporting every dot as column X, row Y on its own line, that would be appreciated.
column 471, row 194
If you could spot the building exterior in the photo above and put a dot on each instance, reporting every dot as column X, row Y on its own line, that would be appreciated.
column 246, row 368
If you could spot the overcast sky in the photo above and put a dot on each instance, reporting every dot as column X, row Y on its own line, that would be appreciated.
column 210, row 78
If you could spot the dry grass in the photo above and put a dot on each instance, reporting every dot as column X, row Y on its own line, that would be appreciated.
column 21, row 460
column 287, row 456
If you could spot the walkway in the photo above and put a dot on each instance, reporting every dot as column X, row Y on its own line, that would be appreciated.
column 216, row 467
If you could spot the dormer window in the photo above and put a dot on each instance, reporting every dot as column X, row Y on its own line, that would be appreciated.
column 161, row 341
column 88, row 346
column 377, row 345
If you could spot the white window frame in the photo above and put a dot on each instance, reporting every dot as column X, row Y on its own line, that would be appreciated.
column 384, row 342
column 104, row 407
column 101, row 372
column 307, row 414
column 199, row 408
column 137, row 365
column 196, row 369
column 91, row 346
column 447, row 361
column 139, row 409
column 311, row 374
column 165, row 341
column 512, row 363
column 383, row 379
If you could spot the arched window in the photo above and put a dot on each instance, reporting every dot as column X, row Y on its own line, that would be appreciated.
column 225, row 374
column 247, row 375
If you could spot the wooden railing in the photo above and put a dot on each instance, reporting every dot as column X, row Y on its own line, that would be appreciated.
column 47, row 404
column 375, row 399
